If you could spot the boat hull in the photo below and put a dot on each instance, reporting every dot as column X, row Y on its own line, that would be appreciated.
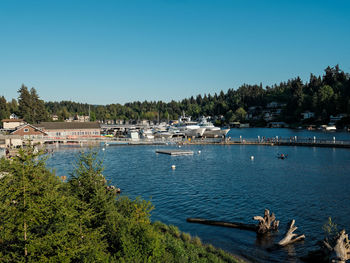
column 216, row 133
column 194, row 132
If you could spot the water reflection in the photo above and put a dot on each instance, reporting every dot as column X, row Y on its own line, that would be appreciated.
column 265, row 241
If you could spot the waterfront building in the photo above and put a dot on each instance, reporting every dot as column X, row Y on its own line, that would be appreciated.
column 71, row 129
column 28, row 131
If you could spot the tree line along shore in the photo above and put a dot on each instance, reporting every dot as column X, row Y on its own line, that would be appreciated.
column 294, row 102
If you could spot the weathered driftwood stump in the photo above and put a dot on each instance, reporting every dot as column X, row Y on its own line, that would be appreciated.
column 267, row 223
column 289, row 236
column 338, row 248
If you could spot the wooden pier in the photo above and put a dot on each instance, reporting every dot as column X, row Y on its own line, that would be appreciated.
column 175, row 152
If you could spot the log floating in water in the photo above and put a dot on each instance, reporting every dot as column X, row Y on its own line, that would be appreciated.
column 266, row 224
column 250, row 227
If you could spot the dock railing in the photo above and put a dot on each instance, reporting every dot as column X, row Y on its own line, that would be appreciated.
column 297, row 141
column 291, row 141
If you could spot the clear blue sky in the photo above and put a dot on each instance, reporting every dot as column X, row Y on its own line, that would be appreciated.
column 103, row 52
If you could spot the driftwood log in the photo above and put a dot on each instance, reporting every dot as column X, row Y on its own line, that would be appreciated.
column 267, row 223
column 338, row 248
column 251, row 227
column 290, row 237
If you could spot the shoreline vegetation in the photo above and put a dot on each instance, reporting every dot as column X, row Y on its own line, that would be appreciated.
column 83, row 219
column 320, row 101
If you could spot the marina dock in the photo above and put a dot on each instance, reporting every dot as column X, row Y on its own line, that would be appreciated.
column 175, row 152
column 16, row 141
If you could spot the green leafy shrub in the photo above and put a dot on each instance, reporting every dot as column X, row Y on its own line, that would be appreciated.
column 185, row 237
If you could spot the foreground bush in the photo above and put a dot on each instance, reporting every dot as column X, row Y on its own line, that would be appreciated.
column 82, row 220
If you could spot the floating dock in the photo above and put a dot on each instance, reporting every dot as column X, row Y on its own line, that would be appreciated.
column 175, row 152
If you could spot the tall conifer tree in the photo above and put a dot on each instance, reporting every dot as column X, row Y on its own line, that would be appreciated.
column 25, row 104
column 4, row 111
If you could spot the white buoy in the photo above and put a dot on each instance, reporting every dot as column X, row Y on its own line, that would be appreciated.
column 103, row 149
column 252, row 157
column 179, row 146
column 173, row 167
column 199, row 152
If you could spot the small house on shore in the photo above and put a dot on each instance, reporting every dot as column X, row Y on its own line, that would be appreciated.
column 28, row 131
column 70, row 129
column 11, row 124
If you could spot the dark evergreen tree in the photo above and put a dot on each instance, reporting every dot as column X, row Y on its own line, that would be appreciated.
column 4, row 109
column 39, row 111
column 31, row 108
column 25, row 104
column 13, row 106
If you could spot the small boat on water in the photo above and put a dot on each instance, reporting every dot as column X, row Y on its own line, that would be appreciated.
column 282, row 156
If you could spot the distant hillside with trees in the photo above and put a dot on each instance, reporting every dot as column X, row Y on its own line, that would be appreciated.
column 323, row 95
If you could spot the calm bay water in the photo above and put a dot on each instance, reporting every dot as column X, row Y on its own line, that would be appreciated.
column 223, row 183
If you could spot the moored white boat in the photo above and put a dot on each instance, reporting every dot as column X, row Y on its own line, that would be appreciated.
column 175, row 131
column 147, row 134
column 133, row 135
column 163, row 134
column 329, row 127
column 190, row 128
column 211, row 130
